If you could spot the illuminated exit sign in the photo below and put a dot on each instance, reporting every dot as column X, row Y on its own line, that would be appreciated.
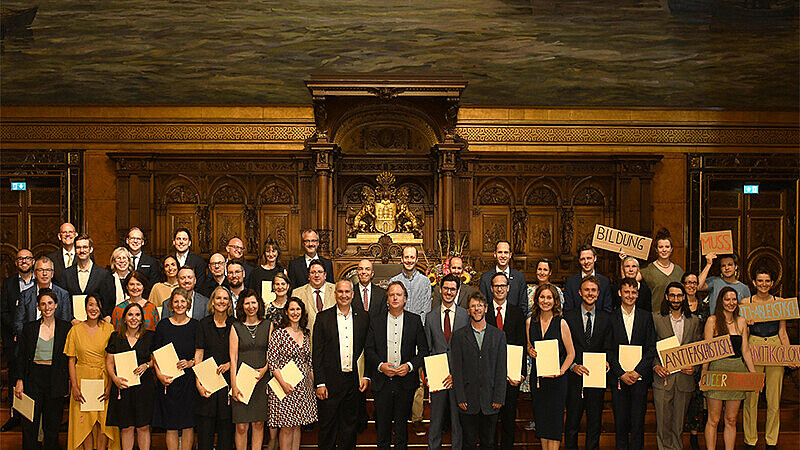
column 19, row 185
column 751, row 189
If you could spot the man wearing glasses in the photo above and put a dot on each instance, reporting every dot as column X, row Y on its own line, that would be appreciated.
column 27, row 309
column 142, row 262
column 215, row 276
column 298, row 267
column 235, row 249
column 64, row 257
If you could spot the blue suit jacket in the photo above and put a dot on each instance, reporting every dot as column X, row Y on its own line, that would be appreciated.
column 26, row 310
column 199, row 307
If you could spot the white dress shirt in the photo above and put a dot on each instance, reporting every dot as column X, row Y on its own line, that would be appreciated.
column 452, row 310
column 181, row 257
column 677, row 327
column 502, row 310
column 627, row 319
column 83, row 275
column 308, row 259
column 345, row 325
column 394, row 340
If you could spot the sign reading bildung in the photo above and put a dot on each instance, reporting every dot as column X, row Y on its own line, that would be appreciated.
column 696, row 353
column 775, row 355
column 620, row 241
column 719, row 242
column 779, row 309
column 732, row 381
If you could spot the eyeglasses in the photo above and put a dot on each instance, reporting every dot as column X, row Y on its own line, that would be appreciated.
column 136, row 239
column 449, row 289
column 691, row 283
column 44, row 270
column 237, row 247
column 671, row 296
column 25, row 258
column 317, row 272
column 499, row 286
column 310, row 241
column 216, row 263
column 235, row 272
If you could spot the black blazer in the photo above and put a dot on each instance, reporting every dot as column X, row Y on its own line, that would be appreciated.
column 644, row 334
column 573, row 300
column 479, row 376
column 645, row 299
column 298, row 271
column 517, row 288
column 9, row 298
column 197, row 263
column 413, row 348
column 325, row 353
column 601, row 332
column 377, row 300
column 59, row 381
column 100, row 283
column 58, row 265
column 513, row 327
column 150, row 268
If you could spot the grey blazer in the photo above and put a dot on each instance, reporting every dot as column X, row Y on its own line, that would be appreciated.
column 479, row 375
column 691, row 333
column 464, row 293
column 434, row 329
column 199, row 307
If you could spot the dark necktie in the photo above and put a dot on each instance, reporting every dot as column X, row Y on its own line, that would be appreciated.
column 447, row 330
column 366, row 298
column 499, row 318
column 135, row 258
column 319, row 300
column 588, row 332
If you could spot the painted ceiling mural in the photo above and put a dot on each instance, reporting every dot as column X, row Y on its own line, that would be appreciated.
column 668, row 53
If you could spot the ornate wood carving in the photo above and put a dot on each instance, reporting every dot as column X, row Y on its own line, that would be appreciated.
column 494, row 195
column 588, row 196
column 520, row 230
column 541, row 196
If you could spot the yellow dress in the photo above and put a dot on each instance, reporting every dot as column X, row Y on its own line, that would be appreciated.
column 90, row 352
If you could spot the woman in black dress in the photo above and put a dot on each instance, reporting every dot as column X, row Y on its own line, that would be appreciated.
column 214, row 410
column 131, row 407
column 267, row 270
column 549, row 392
column 174, row 405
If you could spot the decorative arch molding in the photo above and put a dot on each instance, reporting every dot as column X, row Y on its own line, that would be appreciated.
column 275, row 192
column 385, row 128
column 542, row 192
column 180, row 190
column 495, row 192
column 588, row 192
column 227, row 191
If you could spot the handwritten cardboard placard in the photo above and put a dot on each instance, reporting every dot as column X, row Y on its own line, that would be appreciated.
column 719, row 242
column 696, row 353
column 732, row 381
column 782, row 309
column 620, row 241
column 775, row 355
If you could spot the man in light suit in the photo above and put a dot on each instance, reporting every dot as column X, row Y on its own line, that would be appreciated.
column 479, row 375
column 396, row 346
column 317, row 294
column 142, row 262
column 517, row 288
column 198, row 308
column 442, row 321
column 456, row 267
column 64, row 257
column 341, row 333
column 375, row 296
column 299, row 267
column 587, row 257
column 28, row 310
column 672, row 392
column 182, row 241
column 86, row 277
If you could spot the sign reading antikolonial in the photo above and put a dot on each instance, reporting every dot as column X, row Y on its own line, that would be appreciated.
column 696, row 353
column 732, row 381
column 620, row 241
column 775, row 355
column 719, row 242
column 781, row 309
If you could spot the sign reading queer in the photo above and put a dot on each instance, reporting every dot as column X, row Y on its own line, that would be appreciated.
column 621, row 241
column 775, row 355
column 719, row 242
column 696, row 353
column 782, row 309
column 732, row 381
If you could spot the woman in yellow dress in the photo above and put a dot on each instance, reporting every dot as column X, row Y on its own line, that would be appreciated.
column 86, row 349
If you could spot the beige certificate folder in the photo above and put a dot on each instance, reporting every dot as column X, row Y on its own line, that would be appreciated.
column 547, row 358
column 437, row 369
column 206, row 373
column 91, row 391
column 666, row 344
column 125, row 363
column 514, row 362
column 291, row 375
column 629, row 356
column 595, row 363
column 24, row 405
column 246, row 379
column 79, row 307
column 167, row 361
column 159, row 309
column 267, row 296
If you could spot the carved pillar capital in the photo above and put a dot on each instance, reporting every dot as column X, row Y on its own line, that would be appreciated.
column 323, row 155
column 447, row 156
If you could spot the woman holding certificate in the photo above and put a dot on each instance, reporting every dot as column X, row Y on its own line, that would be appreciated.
column 162, row 291
column 726, row 320
column 213, row 409
column 86, row 349
column 175, row 398
column 291, row 342
column 248, row 346
column 549, row 390
column 136, row 284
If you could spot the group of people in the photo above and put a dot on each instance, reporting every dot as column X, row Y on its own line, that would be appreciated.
column 351, row 337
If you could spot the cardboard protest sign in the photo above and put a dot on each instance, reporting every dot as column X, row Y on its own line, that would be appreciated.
column 779, row 309
column 775, row 355
column 696, row 353
column 732, row 381
column 719, row 242
column 620, row 241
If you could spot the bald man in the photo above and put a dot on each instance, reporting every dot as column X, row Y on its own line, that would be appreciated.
column 456, row 267
column 64, row 257
column 367, row 291
column 235, row 249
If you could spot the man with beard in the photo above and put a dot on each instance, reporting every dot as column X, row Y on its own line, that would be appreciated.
column 235, row 277
column 235, row 249
column 198, row 306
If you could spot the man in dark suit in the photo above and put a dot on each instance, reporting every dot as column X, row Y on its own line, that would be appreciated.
column 86, row 277
column 182, row 241
column 590, row 328
column 442, row 321
column 456, row 267
column 298, row 267
column 374, row 297
column 28, row 310
column 339, row 337
column 215, row 276
column 396, row 346
column 510, row 320
column 587, row 257
column 235, row 249
column 9, row 299
column 631, row 326
column 198, row 309
column 479, row 375
column 142, row 262
column 517, row 288
column 64, row 257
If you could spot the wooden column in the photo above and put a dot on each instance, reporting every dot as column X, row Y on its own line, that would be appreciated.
column 323, row 156
column 447, row 155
